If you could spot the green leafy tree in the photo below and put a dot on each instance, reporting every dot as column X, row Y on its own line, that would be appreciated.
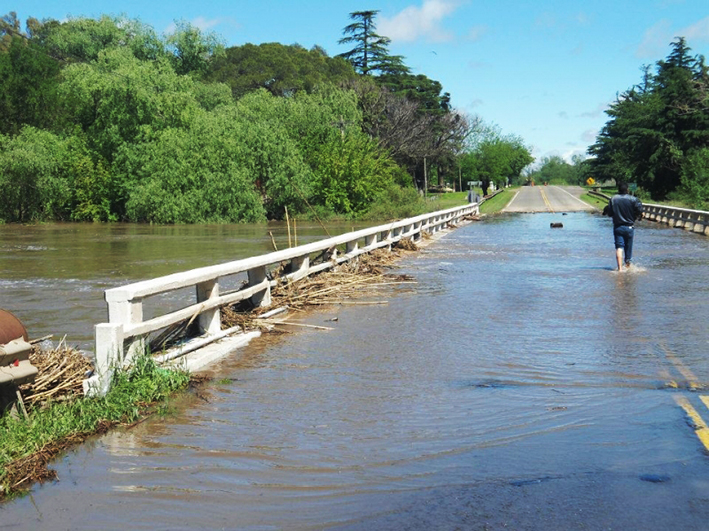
column 29, row 88
column 193, row 50
column 694, row 186
column 655, row 125
column 371, row 51
column 82, row 39
column 494, row 158
column 31, row 177
column 426, row 93
column 282, row 70
column 555, row 170
column 118, row 98
column 350, row 173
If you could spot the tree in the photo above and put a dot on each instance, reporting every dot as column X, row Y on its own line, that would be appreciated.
column 192, row 50
column 29, row 89
column 426, row 93
column 82, row 39
column 555, row 170
column 282, row 70
column 371, row 51
column 656, row 125
column 30, row 177
column 494, row 158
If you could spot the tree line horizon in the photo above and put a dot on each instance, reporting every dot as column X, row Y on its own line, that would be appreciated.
column 105, row 120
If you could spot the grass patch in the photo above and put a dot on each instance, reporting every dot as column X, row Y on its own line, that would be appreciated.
column 444, row 201
column 498, row 202
column 593, row 200
column 27, row 446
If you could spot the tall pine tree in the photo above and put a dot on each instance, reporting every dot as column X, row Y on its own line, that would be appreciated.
column 371, row 51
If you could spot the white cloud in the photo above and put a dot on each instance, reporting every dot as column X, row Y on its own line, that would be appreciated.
column 546, row 20
column 199, row 22
column 589, row 135
column 474, row 65
column 699, row 31
column 598, row 111
column 477, row 32
column 569, row 155
column 583, row 19
column 415, row 23
column 655, row 40
column 204, row 24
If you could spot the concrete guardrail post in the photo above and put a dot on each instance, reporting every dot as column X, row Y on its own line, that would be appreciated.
column 210, row 320
column 109, row 357
column 257, row 276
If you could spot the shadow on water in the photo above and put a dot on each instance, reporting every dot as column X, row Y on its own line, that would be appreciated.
column 520, row 383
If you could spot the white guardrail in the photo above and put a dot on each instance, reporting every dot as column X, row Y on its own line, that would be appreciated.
column 681, row 218
column 126, row 332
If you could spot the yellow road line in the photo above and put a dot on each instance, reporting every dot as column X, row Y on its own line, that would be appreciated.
column 705, row 399
column 700, row 427
column 546, row 201
column 669, row 382
column 691, row 378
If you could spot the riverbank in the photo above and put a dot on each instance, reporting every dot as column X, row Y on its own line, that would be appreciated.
column 28, row 444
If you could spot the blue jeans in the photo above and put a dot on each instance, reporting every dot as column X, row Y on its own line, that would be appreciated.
column 623, row 235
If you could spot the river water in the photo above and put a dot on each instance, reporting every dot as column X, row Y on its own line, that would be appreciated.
column 521, row 383
column 52, row 276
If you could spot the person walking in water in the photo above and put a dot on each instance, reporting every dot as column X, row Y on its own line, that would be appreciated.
column 624, row 209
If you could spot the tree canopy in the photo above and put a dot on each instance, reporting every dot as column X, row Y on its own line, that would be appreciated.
column 371, row 51
column 280, row 69
column 658, row 130
column 102, row 119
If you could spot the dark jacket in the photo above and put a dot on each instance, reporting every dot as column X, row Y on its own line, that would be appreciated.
column 625, row 209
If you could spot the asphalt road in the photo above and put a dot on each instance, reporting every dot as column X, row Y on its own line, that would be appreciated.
column 548, row 199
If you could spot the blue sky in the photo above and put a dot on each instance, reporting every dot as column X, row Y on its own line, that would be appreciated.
column 542, row 70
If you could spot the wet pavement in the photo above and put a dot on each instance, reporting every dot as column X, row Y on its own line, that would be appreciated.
column 548, row 199
column 521, row 384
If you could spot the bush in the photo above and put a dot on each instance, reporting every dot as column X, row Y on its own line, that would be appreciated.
column 31, row 179
column 395, row 202
column 694, row 187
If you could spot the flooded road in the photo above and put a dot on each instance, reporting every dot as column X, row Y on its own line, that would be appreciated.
column 521, row 384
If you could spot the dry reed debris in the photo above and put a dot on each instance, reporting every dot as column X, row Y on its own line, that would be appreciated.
column 61, row 372
column 359, row 278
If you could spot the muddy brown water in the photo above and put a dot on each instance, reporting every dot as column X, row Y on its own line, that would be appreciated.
column 520, row 384
column 52, row 276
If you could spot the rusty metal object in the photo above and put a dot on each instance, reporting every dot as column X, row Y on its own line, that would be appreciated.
column 11, row 328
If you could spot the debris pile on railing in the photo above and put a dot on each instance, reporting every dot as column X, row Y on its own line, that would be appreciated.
column 359, row 278
column 62, row 370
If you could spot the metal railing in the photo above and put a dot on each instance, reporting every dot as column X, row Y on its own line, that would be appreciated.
column 126, row 331
column 681, row 218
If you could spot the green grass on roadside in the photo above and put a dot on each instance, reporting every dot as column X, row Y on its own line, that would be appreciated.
column 498, row 202
column 132, row 392
column 593, row 200
column 444, row 201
